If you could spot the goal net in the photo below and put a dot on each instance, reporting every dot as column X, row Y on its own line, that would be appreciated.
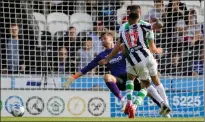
column 42, row 42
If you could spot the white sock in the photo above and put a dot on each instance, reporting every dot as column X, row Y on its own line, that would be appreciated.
column 153, row 92
column 161, row 91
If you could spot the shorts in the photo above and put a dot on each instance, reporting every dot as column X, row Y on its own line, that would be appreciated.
column 121, row 83
column 144, row 69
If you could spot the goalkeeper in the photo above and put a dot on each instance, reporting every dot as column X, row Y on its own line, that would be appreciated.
column 115, row 81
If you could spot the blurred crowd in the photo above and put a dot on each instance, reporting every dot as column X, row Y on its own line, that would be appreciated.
column 182, row 39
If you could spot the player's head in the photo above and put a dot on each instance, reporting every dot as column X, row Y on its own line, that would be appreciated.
column 107, row 39
column 133, row 18
column 135, row 9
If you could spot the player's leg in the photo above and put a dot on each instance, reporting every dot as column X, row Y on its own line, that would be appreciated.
column 160, row 88
column 152, row 67
column 137, row 87
column 110, row 81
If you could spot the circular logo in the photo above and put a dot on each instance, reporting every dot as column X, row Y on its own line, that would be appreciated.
column 76, row 106
column 1, row 105
column 96, row 106
column 55, row 105
column 35, row 105
column 13, row 101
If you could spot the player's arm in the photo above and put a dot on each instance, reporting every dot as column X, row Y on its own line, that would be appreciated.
column 152, row 46
column 89, row 67
column 114, row 52
column 157, row 24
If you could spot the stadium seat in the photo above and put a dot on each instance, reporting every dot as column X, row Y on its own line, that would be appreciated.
column 57, row 22
column 81, row 21
column 41, row 19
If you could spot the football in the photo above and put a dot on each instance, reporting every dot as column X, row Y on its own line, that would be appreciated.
column 17, row 111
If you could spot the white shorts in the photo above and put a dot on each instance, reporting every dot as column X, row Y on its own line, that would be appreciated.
column 144, row 69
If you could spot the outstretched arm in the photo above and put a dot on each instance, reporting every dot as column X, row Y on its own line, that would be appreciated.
column 114, row 52
column 90, row 66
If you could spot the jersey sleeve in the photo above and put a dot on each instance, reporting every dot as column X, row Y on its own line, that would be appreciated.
column 92, row 64
column 147, row 26
column 150, row 35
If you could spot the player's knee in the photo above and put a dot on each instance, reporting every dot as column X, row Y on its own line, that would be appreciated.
column 155, row 80
column 108, row 78
column 145, row 83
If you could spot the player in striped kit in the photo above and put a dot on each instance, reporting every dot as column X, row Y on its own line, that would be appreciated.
column 157, row 25
column 140, row 61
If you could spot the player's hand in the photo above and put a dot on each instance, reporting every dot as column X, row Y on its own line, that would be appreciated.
column 103, row 62
column 68, row 82
column 159, row 50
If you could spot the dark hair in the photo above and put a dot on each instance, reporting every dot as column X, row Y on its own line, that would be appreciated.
column 128, row 7
column 158, row 1
column 71, row 27
column 86, row 39
column 186, row 15
column 134, row 8
column 133, row 16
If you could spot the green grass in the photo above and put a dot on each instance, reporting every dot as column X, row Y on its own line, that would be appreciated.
column 56, row 119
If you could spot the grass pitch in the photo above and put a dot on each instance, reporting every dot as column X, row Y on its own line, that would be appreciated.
column 57, row 119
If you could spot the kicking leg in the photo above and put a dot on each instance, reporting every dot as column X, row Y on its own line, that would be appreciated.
column 160, row 88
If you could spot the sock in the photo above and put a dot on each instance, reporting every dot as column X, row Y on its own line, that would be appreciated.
column 161, row 91
column 129, row 89
column 114, row 89
column 153, row 92
column 156, row 102
column 140, row 97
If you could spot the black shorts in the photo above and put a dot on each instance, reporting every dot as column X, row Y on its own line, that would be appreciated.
column 121, row 83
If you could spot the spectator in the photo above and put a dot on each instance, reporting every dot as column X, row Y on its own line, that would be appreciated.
column 157, row 12
column 85, row 53
column 67, row 7
column 188, row 29
column 198, row 65
column 175, row 11
column 107, row 13
column 15, row 52
column 62, row 63
column 174, row 68
column 71, row 43
column 125, row 18
column 95, row 35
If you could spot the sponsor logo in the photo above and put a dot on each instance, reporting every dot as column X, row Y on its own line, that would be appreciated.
column 96, row 106
column 13, row 101
column 55, row 105
column 1, row 105
column 76, row 106
column 33, row 83
column 35, row 105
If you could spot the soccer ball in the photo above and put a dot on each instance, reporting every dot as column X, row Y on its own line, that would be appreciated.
column 17, row 111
